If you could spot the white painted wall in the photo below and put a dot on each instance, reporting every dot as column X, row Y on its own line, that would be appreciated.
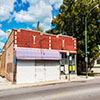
column 96, row 70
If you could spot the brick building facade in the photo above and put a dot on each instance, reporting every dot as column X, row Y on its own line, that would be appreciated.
column 30, row 46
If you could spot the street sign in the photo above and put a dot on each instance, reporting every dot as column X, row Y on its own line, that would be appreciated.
column 86, row 59
column 98, row 20
column 15, row 61
column 88, row 52
column 67, row 53
column 70, row 58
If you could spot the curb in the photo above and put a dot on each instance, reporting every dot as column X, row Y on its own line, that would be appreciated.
column 16, row 86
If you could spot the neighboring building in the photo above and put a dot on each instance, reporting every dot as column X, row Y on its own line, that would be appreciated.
column 31, row 56
column 96, row 68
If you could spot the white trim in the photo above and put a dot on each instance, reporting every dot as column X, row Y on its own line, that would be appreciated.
column 34, row 39
column 63, row 43
column 49, row 37
column 49, row 41
column 73, row 52
column 57, row 36
column 15, row 46
column 15, row 41
column 49, row 45
column 15, row 33
column 47, row 33
column 49, row 48
column 74, row 44
column 15, row 37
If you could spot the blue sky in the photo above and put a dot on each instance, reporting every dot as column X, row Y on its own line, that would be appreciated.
column 25, row 14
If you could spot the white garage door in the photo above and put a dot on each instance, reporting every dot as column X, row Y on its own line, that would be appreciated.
column 25, row 71
column 37, row 71
column 52, row 70
column 40, row 71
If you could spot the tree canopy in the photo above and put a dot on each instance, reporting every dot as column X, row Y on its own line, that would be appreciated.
column 71, row 21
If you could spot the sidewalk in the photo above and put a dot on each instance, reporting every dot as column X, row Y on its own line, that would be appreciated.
column 5, row 85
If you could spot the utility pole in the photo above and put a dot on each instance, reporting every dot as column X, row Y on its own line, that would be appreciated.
column 38, row 23
column 86, row 59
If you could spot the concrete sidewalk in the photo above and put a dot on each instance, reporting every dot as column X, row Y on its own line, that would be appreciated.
column 5, row 85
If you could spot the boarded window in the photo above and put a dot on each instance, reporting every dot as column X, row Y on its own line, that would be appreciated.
column 9, row 68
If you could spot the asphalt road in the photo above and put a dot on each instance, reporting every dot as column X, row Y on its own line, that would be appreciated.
column 82, row 90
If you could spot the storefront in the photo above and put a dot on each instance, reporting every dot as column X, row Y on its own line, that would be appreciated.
column 30, row 56
column 68, row 63
column 37, row 65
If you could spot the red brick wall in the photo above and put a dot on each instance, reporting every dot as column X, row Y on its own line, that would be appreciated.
column 45, row 41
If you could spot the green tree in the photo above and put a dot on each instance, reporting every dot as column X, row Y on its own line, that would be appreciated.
column 71, row 21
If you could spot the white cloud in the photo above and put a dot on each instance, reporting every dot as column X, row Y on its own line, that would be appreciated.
column 3, row 35
column 23, row 16
column 56, row 3
column 6, row 6
column 1, row 45
column 23, row 0
column 32, row 2
column 39, row 10
column 0, row 25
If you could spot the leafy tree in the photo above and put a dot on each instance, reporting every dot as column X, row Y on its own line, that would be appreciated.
column 71, row 21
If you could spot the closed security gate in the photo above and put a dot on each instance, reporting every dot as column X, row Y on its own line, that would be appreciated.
column 25, row 71
column 47, row 70
column 37, row 71
column 40, row 71
column 52, row 70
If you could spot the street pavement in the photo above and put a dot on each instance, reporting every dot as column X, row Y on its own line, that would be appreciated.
column 5, row 84
column 74, row 90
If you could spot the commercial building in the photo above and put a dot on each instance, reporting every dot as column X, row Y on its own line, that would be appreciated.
column 31, row 56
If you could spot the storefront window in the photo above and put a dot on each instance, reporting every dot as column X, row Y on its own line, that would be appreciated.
column 98, row 61
column 68, row 62
column 64, row 59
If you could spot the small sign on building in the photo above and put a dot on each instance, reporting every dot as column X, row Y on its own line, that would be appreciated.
column 66, row 69
column 67, row 53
